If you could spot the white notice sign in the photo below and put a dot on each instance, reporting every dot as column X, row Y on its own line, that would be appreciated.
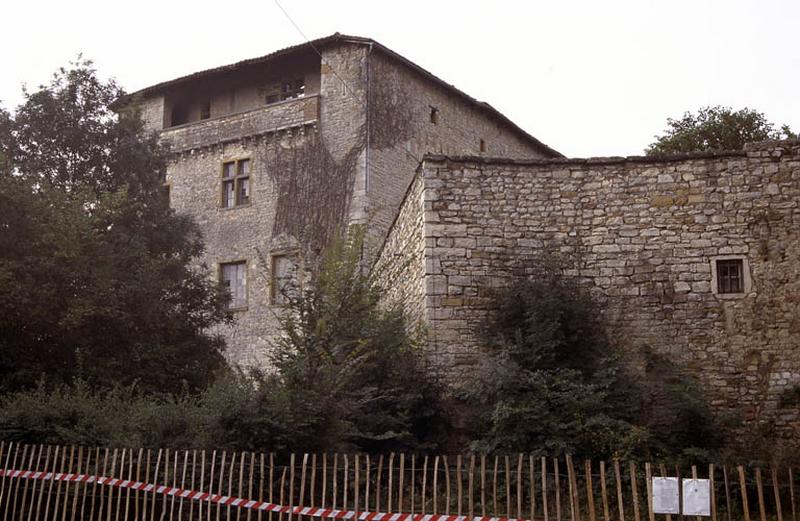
column 665, row 496
column 696, row 497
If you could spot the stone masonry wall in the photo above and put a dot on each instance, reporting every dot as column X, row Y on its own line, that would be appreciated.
column 645, row 234
column 243, row 125
column 401, row 133
column 401, row 264
column 309, row 162
column 305, row 156
column 241, row 233
column 152, row 112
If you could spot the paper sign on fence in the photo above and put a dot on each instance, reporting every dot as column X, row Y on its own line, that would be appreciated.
column 696, row 497
column 666, row 499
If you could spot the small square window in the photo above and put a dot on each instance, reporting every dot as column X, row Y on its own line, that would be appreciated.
column 235, row 183
column 284, row 283
column 233, row 278
column 730, row 276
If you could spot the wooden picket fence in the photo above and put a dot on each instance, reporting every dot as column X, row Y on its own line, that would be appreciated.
column 520, row 486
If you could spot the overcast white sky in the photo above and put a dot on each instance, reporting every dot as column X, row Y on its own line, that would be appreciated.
column 588, row 78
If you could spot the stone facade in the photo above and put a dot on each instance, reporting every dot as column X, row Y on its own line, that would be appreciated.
column 410, row 116
column 402, row 257
column 651, row 237
column 343, row 151
column 645, row 234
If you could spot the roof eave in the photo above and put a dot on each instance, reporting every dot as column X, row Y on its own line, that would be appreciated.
column 329, row 40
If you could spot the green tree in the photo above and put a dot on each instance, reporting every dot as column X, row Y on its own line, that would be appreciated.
column 100, row 278
column 552, row 381
column 5, row 141
column 352, row 374
column 716, row 129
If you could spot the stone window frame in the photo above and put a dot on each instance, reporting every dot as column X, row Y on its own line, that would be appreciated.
column 246, row 264
column 237, row 177
column 747, row 278
column 273, row 300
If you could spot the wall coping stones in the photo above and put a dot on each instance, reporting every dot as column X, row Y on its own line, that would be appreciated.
column 672, row 158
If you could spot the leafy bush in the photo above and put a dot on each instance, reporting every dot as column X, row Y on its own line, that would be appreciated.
column 68, row 415
column 353, row 374
column 245, row 412
column 676, row 414
column 348, row 375
column 235, row 412
column 552, row 382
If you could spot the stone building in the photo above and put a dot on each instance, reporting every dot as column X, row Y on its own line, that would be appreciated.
column 274, row 155
column 696, row 257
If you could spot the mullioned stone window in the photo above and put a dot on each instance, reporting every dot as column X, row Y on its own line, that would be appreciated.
column 233, row 278
column 235, row 183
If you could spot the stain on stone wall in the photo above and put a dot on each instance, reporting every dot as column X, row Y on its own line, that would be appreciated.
column 313, row 192
column 390, row 106
column 401, row 133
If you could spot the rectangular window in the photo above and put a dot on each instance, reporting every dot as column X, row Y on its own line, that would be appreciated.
column 434, row 115
column 483, row 145
column 235, row 183
column 292, row 89
column 205, row 109
column 730, row 276
column 284, row 282
column 233, row 277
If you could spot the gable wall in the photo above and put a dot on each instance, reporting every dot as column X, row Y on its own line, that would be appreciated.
column 401, row 133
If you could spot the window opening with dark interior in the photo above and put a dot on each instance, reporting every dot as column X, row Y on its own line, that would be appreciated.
column 179, row 114
column 205, row 109
column 292, row 89
column 434, row 115
column 235, row 183
column 730, row 276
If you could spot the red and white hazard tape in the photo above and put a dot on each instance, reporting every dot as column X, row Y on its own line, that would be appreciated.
column 240, row 502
